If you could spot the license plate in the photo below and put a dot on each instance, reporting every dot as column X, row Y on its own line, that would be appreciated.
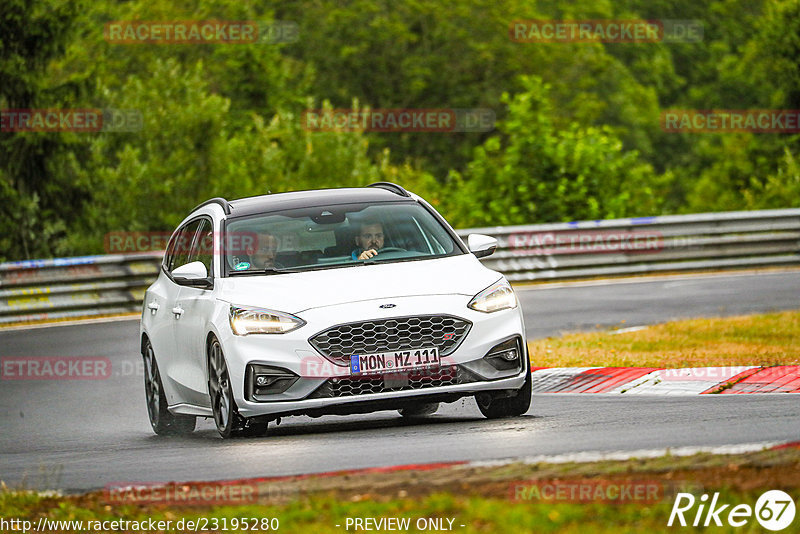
column 398, row 360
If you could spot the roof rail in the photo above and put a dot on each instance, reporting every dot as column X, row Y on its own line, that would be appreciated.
column 226, row 206
column 389, row 186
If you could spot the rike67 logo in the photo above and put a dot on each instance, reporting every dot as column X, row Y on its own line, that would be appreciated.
column 774, row 511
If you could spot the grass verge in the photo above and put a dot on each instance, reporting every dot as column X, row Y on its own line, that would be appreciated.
column 482, row 499
column 764, row 339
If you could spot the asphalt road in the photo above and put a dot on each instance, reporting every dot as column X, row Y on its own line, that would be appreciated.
column 85, row 434
column 640, row 301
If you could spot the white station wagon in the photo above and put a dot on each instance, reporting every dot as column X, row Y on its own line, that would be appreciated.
column 335, row 301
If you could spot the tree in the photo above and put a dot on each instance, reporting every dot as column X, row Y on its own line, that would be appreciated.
column 535, row 172
column 38, row 199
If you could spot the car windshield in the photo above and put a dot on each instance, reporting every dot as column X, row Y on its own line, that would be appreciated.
column 334, row 236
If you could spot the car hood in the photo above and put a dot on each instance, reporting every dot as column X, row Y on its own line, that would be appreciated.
column 297, row 292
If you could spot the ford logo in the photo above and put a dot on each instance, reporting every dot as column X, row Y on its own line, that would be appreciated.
column 387, row 306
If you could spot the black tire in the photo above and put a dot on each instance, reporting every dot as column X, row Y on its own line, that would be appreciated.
column 496, row 407
column 419, row 410
column 163, row 422
column 226, row 416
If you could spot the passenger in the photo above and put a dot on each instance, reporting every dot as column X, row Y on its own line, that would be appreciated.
column 263, row 255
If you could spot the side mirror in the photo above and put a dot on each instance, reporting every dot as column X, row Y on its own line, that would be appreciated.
column 481, row 245
column 192, row 274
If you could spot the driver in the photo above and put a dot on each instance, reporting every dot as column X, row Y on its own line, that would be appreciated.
column 369, row 241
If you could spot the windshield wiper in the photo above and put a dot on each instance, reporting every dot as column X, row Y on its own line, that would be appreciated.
column 266, row 270
column 384, row 261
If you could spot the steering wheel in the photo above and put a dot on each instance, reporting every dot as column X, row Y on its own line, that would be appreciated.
column 392, row 249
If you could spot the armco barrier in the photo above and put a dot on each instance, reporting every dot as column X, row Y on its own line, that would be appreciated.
column 618, row 247
column 67, row 287
column 91, row 285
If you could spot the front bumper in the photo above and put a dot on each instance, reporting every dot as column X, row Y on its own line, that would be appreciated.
column 313, row 391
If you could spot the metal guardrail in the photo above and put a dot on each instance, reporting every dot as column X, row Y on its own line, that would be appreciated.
column 39, row 290
column 618, row 247
column 93, row 285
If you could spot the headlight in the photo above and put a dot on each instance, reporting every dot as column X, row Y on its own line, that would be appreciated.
column 257, row 321
column 496, row 297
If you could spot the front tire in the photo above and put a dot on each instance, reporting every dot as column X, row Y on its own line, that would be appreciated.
column 496, row 407
column 226, row 417
column 163, row 422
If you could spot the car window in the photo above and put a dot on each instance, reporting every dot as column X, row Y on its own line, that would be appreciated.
column 180, row 247
column 325, row 237
column 203, row 246
column 169, row 255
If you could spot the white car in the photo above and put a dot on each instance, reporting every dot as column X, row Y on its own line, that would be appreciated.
column 334, row 301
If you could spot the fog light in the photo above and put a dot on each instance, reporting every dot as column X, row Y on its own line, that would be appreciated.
column 506, row 355
column 509, row 355
column 264, row 380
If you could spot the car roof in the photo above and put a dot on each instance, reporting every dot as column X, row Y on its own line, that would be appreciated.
column 313, row 198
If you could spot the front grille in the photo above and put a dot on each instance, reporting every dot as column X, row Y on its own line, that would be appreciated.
column 416, row 379
column 338, row 343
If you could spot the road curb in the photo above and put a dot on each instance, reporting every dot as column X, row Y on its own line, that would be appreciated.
column 660, row 381
column 263, row 485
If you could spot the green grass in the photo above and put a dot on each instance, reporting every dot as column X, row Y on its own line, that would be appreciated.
column 322, row 514
column 765, row 339
column 481, row 499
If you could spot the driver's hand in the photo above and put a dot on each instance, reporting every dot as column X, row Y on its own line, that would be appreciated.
column 367, row 254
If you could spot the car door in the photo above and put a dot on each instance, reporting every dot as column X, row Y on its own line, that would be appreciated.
column 193, row 308
column 156, row 316
column 162, row 304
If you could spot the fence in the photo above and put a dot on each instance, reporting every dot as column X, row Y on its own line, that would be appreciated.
column 620, row 247
column 69, row 287
column 91, row 285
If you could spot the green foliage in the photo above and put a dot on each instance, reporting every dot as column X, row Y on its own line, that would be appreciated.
column 191, row 148
column 34, row 189
column 779, row 190
column 536, row 172
column 577, row 136
column 456, row 54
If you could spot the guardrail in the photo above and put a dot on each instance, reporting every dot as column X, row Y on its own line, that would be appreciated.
column 617, row 247
column 92, row 285
column 39, row 290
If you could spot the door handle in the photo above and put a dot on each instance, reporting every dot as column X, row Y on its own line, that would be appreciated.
column 178, row 311
column 153, row 306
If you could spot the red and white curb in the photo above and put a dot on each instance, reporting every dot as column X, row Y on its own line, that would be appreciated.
column 600, row 456
column 658, row 381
